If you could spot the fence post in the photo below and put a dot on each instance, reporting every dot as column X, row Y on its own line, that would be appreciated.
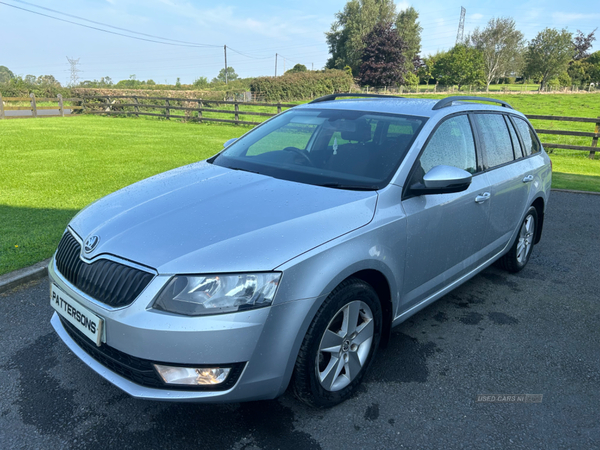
column 278, row 108
column 136, row 107
column 61, row 110
column 1, row 108
column 236, row 107
column 33, row 105
column 167, row 109
column 200, row 106
column 595, row 140
column 108, row 105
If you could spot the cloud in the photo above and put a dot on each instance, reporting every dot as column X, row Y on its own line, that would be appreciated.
column 571, row 17
column 476, row 16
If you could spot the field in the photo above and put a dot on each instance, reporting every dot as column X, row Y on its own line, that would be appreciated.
column 53, row 167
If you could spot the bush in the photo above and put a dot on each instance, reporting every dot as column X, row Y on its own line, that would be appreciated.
column 18, row 87
column 303, row 85
column 565, row 80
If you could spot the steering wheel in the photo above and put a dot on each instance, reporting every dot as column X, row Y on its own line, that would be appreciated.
column 299, row 152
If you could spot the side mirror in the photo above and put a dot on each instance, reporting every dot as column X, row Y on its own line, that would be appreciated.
column 229, row 142
column 443, row 180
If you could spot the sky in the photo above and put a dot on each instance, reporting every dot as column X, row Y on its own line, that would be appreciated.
column 254, row 33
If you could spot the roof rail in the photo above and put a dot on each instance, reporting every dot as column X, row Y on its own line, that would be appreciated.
column 449, row 100
column 326, row 98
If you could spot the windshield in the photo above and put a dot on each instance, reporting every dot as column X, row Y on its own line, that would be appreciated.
column 336, row 148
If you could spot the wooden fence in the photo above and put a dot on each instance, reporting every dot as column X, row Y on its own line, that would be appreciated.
column 195, row 109
column 5, row 105
column 114, row 105
column 592, row 149
column 134, row 105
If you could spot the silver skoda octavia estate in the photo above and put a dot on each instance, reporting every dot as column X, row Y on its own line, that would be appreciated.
column 286, row 259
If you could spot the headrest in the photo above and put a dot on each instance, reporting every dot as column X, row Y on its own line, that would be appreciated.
column 362, row 132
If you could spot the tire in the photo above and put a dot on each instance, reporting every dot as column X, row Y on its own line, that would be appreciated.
column 335, row 355
column 518, row 255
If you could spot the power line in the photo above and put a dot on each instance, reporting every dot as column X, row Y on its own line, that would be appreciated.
column 112, row 26
column 110, row 32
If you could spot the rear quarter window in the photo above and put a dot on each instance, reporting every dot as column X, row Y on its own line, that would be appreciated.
column 531, row 143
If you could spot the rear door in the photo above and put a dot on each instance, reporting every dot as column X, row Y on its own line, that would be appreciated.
column 509, row 175
column 445, row 232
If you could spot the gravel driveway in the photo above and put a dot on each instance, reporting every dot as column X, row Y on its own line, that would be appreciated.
column 537, row 332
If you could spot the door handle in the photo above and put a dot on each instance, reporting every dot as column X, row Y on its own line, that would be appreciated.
column 528, row 179
column 483, row 197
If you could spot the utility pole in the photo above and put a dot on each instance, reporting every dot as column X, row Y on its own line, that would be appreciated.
column 74, row 71
column 275, row 65
column 225, row 49
column 312, row 67
column 461, row 25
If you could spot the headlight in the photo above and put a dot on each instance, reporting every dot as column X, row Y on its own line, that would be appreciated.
column 197, row 295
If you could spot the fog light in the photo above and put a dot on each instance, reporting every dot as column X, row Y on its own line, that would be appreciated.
column 193, row 376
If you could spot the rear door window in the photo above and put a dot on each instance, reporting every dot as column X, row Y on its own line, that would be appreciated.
column 530, row 140
column 495, row 139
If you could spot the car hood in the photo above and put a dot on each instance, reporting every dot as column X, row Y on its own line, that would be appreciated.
column 204, row 218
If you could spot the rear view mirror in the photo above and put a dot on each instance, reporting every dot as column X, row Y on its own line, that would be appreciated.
column 443, row 180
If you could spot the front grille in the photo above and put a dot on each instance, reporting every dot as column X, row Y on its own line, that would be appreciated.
column 138, row 370
column 106, row 281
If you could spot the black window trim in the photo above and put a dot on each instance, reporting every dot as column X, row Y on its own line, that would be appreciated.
column 406, row 193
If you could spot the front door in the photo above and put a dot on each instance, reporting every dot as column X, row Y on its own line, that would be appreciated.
column 445, row 232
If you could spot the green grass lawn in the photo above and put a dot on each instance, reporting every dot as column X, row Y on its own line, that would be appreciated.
column 50, row 168
column 53, row 167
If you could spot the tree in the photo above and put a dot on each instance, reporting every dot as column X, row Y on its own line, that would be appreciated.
column 410, row 32
column 548, row 54
column 231, row 75
column 501, row 46
column 383, row 61
column 5, row 74
column 585, row 71
column 345, row 39
column 47, row 80
column 200, row 82
column 461, row 65
column 582, row 44
column 425, row 71
column 297, row 68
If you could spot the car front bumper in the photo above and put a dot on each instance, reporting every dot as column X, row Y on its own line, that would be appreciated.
column 263, row 342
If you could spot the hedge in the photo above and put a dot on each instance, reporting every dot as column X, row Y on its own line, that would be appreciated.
column 302, row 85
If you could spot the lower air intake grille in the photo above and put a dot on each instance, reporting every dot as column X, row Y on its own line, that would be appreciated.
column 106, row 281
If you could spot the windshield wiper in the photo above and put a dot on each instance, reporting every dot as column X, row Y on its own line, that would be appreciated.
column 243, row 170
column 350, row 187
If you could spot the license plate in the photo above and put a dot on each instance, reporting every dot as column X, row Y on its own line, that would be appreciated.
column 82, row 318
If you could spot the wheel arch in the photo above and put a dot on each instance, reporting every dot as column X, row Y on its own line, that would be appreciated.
column 539, row 205
column 378, row 281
